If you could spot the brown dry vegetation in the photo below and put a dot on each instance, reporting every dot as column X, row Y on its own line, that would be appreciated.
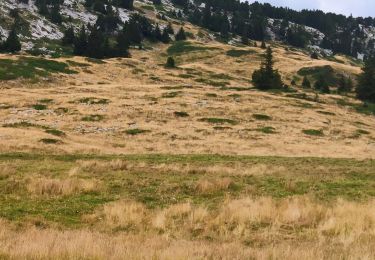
column 246, row 228
column 184, row 207
column 137, row 98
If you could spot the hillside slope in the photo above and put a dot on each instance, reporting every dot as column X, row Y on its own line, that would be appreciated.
column 203, row 106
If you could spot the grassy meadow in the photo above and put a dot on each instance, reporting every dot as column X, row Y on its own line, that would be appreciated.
column 127, row 159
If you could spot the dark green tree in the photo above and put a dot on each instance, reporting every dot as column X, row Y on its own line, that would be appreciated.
column 263, row 45
column 12, row 43
column 322, row 85
column 170, row 63
column 165, row 36
column 169, row 28
column 306, row 82
column 181, row 36
column 80, row 43
column 366, row 81
column 69, row 36
column 55, row 15
column 267, row 77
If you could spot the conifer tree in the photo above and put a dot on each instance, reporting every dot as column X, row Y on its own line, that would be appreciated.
column 69, row 36
column 366, row 81
column 322, row 85
column 12, row 43
column 123, row 44
column 181, row 36
column 170, row 63
column 157, row 33
column 266, row 77
column 55, row 15
column 342, row 85
column 165, row 36
column 245, row 36
column 306, row 82
column 96, row 44
column 169, row 28
column 263, row 45
column 80, row 43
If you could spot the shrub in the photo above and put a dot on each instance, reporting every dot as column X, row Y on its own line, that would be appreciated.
column 313, row 132
column 262, row 117
column 136, row 131
column 55, row 132
column 170, row 63
column 50, row 141
column 213, row 120
column 181, row 114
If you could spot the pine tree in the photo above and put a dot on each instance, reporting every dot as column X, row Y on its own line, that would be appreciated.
column 314, row 56
column 96, row 44
column 245, row 36
column 12, row 43
column 306, row 82
column 342, row 85
column 349, row 85
column 55, row 15
column 266, row 77
column 322, row 85
column 263, row 45
column 157, row 33
column 42, row 7
column 366, row 81
column 169, row 28
column 165, row 36
column 170, row 63
column 132, row 31
column 80, row 43
column 181, row 36
column 122, row 45
column 69, row 36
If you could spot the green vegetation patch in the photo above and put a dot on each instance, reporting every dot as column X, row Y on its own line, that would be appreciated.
column 55, row 132
column 214, row 120
column 50, row 141
column 267, row 130
column 262, row 117
column 93, row 101
column 161, row 180
column 184, row 47
column 39, row 107
column 181, row 114
column 326, row 113
column 239, row 53
column 96, row 61
column 362, row 132
column 31, row 68
column 327, row 72
column 77, row 64
column 136, row 131
column 24, row 124
column 313, row 132
column 366, row 108
column 171, row 94
column 45, row 101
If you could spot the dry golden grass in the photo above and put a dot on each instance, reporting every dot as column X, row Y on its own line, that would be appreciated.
column 260, row 228
column 190, row 209
column 209, row 186
column 53, row 187
column 137, row 101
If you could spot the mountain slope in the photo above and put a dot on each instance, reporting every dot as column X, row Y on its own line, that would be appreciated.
column 275, row 26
